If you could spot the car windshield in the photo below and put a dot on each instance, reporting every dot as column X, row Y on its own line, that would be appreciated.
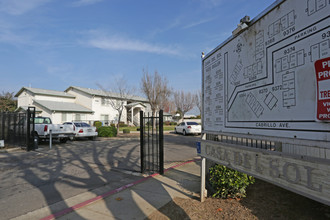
column 85, row 125
column 192, row 123
column 42, row 121
column 78, row 124
column 81, row 124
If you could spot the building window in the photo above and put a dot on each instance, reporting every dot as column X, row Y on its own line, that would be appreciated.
column 64, row 117
column 79, row 117
column 105, row 119
column 105, row 101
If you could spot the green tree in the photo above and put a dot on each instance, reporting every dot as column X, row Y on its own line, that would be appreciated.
column 7, row 102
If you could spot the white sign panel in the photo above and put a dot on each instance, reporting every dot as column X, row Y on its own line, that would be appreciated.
column 263, row 80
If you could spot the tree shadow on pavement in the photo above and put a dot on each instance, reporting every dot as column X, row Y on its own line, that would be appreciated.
column 48, row 177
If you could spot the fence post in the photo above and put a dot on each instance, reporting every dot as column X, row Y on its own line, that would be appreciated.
column 161, row 143
column 50, row 139
column 28, row 131
column 3, row 126
column 141, row 142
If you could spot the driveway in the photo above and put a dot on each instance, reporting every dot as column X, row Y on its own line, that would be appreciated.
column 32, row 180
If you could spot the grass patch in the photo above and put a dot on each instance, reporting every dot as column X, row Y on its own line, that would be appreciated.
column 166, row 128
column 169, row 128
column 129, row 128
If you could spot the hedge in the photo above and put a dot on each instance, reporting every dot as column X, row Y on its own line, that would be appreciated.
column 106, row 131
column 126, row 131
column 97, row 124
column 228, row 183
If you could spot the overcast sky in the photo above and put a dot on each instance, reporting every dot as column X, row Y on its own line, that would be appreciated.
column 54, row 44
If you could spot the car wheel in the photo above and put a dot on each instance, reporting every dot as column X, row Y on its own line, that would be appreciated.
column 36, row 136
column 184, row 132
column 175, row 131
column 63, row 140
column 92, row 138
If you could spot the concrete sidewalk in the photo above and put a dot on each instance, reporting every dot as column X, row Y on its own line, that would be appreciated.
column 137, row 200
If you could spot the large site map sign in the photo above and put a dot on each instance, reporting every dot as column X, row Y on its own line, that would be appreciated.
column 263, row 81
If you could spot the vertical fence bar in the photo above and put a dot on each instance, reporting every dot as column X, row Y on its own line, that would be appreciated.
column 152, row 143
column 148, row 153
column 3, row 126
column 8, row 127
column 28, row 147
column 161, row 143
column 30, row 132
column 141, row 142
column 157, row 143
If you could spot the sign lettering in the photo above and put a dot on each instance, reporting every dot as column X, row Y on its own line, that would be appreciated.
column 322, row 69
column 286, row 171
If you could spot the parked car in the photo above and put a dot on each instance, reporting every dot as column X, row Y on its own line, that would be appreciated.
column 188, row 128
column 43, row 127
column 83, row 130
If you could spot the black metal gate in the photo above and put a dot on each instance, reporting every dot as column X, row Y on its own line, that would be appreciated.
column 152, row 143
column 17, row 129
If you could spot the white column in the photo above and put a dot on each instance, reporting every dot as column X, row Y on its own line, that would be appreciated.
column 203, row 190
column 132, row 111
column 203, row 174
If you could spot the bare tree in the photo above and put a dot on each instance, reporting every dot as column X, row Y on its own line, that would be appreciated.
column 118, row 96
column 169, row 106
column 156, row 88
column 7, row 102
column 184, row 102
column 198, row 101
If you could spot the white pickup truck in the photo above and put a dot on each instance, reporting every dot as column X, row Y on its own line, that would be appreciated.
column 43, row 126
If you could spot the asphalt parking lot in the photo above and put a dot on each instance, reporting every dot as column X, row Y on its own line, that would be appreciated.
column 32, row 180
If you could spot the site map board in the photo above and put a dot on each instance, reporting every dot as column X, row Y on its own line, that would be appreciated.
column 272, row 78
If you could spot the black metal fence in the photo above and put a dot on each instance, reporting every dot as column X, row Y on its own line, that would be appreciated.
column 152, row 143
column 17, row 129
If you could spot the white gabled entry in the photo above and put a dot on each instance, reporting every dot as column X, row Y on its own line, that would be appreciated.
column 133, row 113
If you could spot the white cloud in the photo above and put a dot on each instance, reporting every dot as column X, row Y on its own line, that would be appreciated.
column 176, row 23
column 18, row 7
column 198, row 23
column 212, row 3
column 119, row 43
column 7, row 36
column 85, row 2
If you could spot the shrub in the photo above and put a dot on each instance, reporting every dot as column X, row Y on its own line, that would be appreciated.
column 106, row 131
column 122, row 124
column 173, row 123
column 228, row 183
column 97, row 124
column 126, row 131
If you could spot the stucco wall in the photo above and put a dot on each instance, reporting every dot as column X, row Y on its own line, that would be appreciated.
column 82, row 98
column 106, row 109
column 24, row 99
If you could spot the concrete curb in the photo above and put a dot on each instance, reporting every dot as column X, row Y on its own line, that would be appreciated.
column 103, row 196
column 7, row 150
